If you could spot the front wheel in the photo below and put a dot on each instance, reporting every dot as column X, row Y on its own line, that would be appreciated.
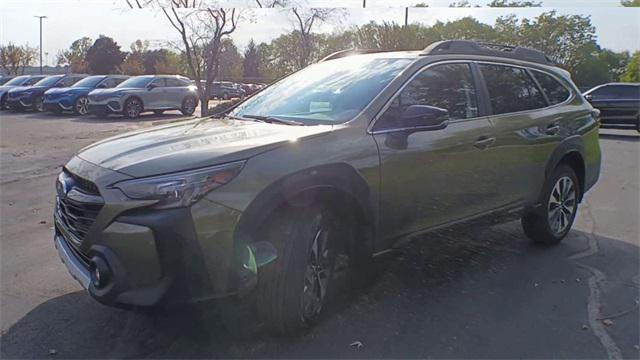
column 38, row 105
column 3, row 102
column 81, row 106
column 132, row 108
column 188, row 106
column 292, row 291
column 559, row 208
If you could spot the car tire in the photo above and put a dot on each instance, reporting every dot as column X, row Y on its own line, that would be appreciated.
column 292, row 290
column 559, row 199
column 38, row 104
column 81, row 106
column 3, row 102
column 132, row 108
column 189, row 105
column 225, row 96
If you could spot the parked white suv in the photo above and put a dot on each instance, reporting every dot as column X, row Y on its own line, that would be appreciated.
column 155, row 93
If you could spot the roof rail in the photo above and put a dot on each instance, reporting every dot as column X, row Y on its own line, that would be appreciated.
column 350, row 52
column 466, row 47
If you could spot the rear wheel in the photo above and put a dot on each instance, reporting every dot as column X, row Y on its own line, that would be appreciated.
column 292, row 291
column 188, row 106
column 81, row 106
column 38, row 105
column 559, row 207
column 132, row 108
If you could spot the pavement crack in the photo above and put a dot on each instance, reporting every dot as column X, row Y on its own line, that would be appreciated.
column 594, row 301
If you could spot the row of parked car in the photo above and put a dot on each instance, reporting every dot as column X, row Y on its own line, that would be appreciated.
column 110, row 94
column 100, row 94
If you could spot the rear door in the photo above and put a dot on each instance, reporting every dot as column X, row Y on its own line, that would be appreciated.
column 175, row 93
column 528, row 129
column 154, row 97
column 429, row 178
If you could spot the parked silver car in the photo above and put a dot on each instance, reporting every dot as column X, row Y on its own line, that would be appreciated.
column 155, row 93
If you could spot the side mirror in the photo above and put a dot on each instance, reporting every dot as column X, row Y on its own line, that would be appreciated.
column 151, row 87
column 588, row 97
column 425, row 118
column 101, row 86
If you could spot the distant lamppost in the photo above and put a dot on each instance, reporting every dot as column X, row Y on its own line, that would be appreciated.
column 41, row 17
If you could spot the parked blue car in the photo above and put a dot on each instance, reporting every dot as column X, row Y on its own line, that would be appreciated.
column 31, row 98
column 23, row 80
column 75, row 98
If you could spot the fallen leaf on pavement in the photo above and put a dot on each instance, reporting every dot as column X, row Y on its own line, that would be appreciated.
column 607, row 322
column 356, row 344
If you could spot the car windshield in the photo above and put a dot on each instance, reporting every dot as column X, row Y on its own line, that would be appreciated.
column 329, row 92
column 17, row 80
column 136, row 82
column 49, row 80
column 89, row 82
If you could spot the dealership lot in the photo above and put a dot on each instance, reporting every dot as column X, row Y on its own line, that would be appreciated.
column 465, row 293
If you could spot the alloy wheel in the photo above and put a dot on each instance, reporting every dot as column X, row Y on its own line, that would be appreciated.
column 82, row 106
column 317, row 274
column 133, row 108
column 189, row 106
column 562, row 205
column 38, row 104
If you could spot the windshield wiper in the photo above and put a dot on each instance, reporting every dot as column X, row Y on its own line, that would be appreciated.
column 273, row 119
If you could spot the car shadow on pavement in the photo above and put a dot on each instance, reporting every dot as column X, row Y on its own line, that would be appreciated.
column 463, row 293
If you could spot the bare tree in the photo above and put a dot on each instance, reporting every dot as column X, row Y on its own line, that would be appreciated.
column 271, row 3
column 305, row 19
column 201, row 32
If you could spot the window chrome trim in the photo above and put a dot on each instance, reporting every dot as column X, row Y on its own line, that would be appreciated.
column 406, row 83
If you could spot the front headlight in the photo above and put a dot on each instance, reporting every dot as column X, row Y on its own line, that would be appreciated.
column 180, row 189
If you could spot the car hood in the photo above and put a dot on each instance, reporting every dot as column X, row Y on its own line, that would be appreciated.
column 4, row 89
column 192, row 144
column 113, row 91
column 68, row 90
column 30, row 88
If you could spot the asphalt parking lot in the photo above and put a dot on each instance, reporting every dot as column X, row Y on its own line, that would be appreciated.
column 464, row 293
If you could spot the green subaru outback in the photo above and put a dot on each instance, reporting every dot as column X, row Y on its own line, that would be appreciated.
column 327, row 168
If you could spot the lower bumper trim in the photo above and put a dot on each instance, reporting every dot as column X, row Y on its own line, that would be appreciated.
column 74, row 266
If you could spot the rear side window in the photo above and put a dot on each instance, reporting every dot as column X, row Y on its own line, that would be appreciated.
column 511, row 89
column 623, row 91
column 447, row 86
column 175, row 83
column 556, row 92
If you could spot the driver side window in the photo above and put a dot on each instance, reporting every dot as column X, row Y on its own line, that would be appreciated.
column 448, row 86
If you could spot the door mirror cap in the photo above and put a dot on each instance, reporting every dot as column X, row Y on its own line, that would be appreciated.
column 588, row 97
column 425, row 118
column 151, row 87
column 101, row 86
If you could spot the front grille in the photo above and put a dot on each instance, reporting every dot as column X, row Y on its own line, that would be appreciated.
column 83, row 184
column 78, row 205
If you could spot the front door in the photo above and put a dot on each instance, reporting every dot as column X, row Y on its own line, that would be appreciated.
column 429, row 178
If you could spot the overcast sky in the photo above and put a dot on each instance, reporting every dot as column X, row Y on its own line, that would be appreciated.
column 617, row 28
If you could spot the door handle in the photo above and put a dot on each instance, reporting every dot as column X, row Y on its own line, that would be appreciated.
column 484, row 142
column 552, row 129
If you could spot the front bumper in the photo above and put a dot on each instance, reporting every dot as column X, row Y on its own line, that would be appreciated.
column 107, row 106
column 20, row 103
column 170, row 256
column 64, row 104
